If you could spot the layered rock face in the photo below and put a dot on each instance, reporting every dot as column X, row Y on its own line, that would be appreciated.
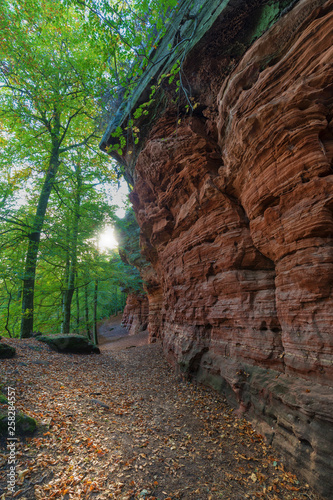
column 135, row 316
column 235, row 205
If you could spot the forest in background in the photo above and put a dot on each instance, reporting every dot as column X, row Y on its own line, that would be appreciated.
column 65, row 66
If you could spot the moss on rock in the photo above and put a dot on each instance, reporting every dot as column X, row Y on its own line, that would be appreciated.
column 23, row 424
column 6, row 351
column 75, row 344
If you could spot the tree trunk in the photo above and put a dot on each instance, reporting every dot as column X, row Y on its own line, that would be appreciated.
column 87, row 310
column 67, row 266
column 27, row 321
column 77, row 306
column 116, row 301
column 68, row 295
column 10, row 297
column 95, row 339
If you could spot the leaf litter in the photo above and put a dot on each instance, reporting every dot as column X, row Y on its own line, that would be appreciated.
column 122, row 425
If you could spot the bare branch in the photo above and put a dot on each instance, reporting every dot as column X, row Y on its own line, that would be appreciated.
column 68, row 124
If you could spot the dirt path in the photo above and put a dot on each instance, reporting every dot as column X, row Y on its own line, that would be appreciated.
column 122, row 425
column 113, row 337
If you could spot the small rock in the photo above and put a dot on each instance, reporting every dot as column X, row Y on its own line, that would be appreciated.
column 100, row 403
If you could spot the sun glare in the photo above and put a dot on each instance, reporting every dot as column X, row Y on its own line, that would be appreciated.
column 107, row 240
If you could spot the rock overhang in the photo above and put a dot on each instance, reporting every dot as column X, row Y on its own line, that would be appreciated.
column 228, row 27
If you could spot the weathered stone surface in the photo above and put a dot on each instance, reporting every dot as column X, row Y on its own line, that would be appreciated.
column 276, row 141
column 23, row 423
column 135, row 316
column 75, row 344
column 235, row 205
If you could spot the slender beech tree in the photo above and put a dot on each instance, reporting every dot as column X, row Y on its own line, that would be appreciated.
column 95, row 339
column 73, row 251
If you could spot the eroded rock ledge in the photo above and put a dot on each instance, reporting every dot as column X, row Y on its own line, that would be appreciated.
column 135, row 316
column 235, row 206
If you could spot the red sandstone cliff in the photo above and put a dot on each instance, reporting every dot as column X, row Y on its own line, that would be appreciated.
column 235, row 205
column 135, row 316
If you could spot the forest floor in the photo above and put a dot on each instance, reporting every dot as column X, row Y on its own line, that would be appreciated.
column 123, row 425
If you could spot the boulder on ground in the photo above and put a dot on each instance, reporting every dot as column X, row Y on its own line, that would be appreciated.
column 23, row 424
column 75, row 344
column 6, row 351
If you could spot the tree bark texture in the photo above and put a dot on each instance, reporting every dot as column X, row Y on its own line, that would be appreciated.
column 27, row 321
